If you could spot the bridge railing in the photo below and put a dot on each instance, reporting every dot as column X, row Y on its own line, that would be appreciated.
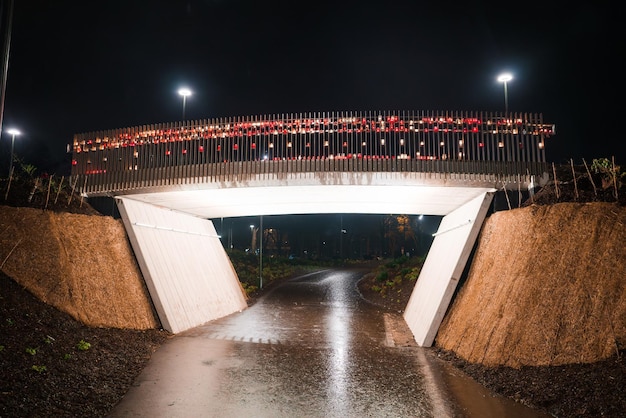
column 473, row 145
column 497, row 173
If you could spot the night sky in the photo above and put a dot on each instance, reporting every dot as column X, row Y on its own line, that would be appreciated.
column 85, row 66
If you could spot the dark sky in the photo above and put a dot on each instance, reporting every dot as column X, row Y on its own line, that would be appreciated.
column 79, row 66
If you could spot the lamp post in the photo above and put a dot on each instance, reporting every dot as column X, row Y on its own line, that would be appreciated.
column 184, row 92
column 13, row 133
column 505, row 78
column 252, row 239
column 261, row 253
column 253, row 229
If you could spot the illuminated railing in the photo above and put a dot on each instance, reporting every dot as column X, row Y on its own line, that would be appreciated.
column 213, row 150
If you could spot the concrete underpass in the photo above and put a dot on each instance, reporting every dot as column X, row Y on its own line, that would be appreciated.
column 192, row 281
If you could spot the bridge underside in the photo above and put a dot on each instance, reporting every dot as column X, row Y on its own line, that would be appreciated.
column 190, row 277
column 309, row 193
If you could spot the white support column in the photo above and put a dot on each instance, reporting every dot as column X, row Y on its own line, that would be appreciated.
column 443, row 267
column 186, row 269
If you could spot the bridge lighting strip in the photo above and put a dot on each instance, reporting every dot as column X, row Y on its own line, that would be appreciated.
column 469, row 221
column 175, row 230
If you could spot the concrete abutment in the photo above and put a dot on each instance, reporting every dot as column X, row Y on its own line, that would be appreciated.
column 186, row 269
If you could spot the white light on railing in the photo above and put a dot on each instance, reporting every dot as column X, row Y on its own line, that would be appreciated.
column 177, row 230
column 469, row 221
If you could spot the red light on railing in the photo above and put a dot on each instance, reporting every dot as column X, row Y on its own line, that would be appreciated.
column 184, row 151
column 253, row 145
column 219, row 148
column 168, row 152
column 480, row 144
column 200, row 148
column 74, row 162
column 235, row 147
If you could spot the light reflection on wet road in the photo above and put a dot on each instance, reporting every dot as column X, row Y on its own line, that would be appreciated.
column 310, row 348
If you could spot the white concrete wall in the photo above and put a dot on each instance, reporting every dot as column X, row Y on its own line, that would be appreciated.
column 443, row 267
column 188, row 274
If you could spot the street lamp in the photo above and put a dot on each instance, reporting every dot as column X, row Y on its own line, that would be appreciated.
column 184, row 92
column 252, row 239
column 253, row 229
column 505, row 78
column 13, row 133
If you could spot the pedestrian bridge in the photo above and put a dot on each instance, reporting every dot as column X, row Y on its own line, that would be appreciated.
column 169, row 180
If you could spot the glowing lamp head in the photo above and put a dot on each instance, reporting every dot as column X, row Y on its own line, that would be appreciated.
column 14, row 132
column 503, row 78
column 184, row 92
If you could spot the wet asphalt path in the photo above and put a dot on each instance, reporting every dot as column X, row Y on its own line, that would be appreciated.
column 311, row 347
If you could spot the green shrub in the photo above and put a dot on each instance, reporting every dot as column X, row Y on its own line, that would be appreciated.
column 413, row 274
column 401, row 260
column 39, row 369
column 609, row 173
column 83, row 345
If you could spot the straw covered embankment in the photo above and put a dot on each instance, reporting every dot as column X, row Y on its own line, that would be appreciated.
column 546, row 287
column 80, row 264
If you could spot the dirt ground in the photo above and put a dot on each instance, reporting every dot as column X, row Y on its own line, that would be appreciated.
column 44, row 373
column 52, row 364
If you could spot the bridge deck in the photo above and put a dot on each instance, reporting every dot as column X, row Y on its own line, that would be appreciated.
column 483, row 146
